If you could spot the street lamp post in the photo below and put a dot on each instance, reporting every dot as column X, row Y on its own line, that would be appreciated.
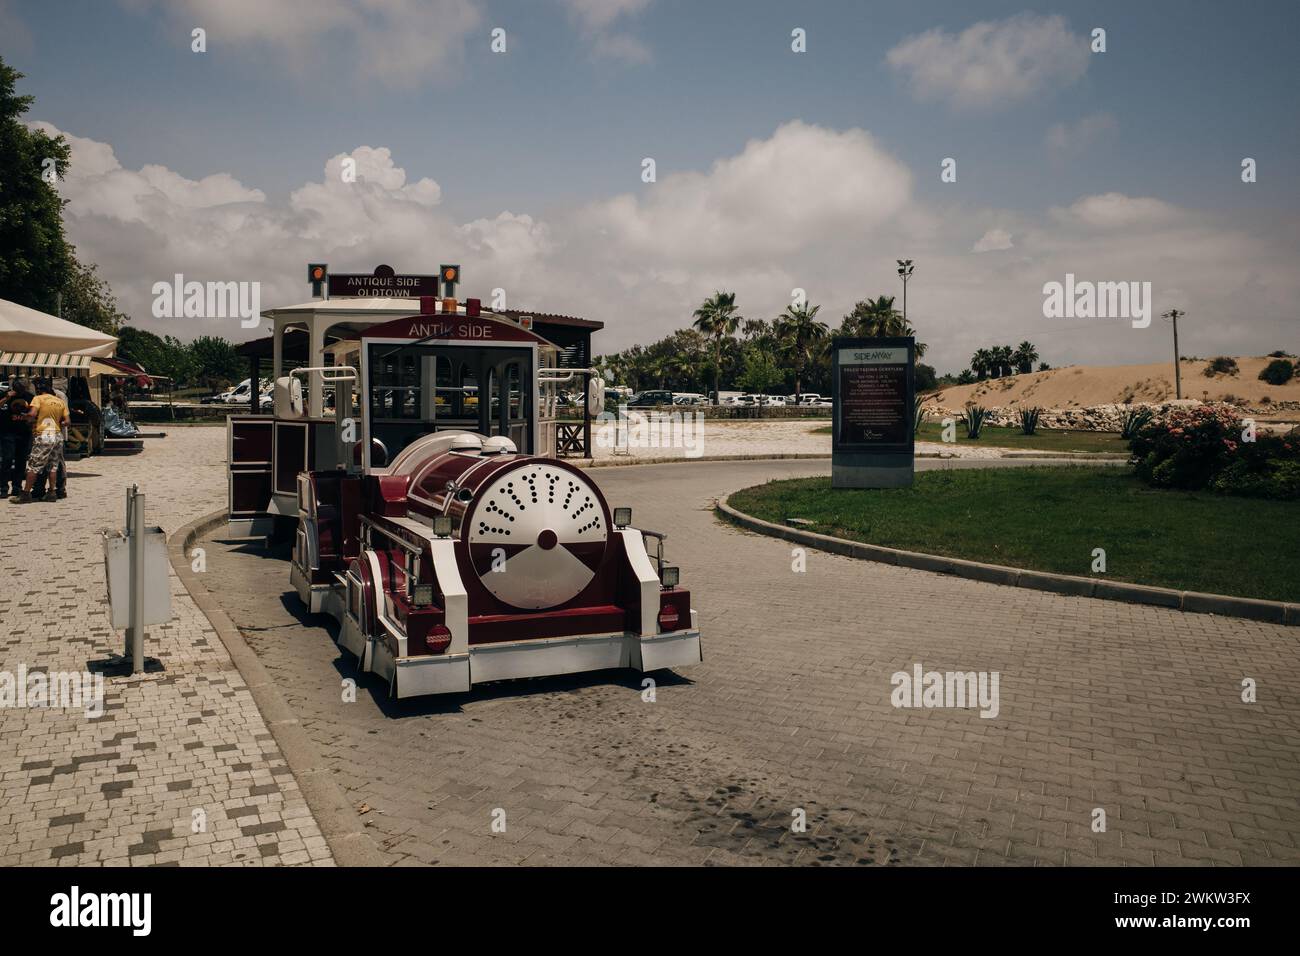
column 1173, row 315
column 905, row 272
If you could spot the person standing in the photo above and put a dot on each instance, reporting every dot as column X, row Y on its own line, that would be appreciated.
column 49, row 417
column 15, row 436
column 54, row 479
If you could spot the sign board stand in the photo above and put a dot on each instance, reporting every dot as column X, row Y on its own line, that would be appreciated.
column 873, row 443
column 139, row 591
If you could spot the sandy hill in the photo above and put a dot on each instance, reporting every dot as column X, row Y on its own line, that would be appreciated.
column 1081, row 386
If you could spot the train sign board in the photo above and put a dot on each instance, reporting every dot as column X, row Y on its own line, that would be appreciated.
column 382, row 282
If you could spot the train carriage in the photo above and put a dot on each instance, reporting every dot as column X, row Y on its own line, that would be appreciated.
column 436, row 527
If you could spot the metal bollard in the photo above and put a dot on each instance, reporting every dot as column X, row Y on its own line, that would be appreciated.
column 135, row 632
column 135, row 569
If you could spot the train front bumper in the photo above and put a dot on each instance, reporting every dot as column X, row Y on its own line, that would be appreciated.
column 419, row 675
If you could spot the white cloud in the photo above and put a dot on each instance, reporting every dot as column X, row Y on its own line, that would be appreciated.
column 397, row 42
column 600, row 14
column 596, row 20
column 992, row 64
column 1069, row 139
column 99, row 185
column 1116, row 211
column 799, row 186
column 995, row 240
column 820, row 209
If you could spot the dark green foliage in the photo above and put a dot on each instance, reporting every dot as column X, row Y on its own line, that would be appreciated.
column 1223, row 365
column 1132, row 420
column 1209, row 448
column 1277, row 372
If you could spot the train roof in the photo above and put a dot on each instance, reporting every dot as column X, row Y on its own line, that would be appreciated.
column 369, row 304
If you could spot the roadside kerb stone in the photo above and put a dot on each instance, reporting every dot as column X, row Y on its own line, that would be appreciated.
column 1274, row 612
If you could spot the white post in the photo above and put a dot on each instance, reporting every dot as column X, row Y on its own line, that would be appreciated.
column 136, row 629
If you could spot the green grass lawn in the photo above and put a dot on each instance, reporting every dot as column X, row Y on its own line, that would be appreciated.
column 1046, row 439
column 1050, row 519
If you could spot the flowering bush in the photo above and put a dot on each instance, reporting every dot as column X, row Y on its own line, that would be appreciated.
column 1206, row 447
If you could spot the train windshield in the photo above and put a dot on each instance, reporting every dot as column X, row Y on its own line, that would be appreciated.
column 413, row 390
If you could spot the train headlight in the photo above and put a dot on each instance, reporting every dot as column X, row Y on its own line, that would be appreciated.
column 670, row 576
column 622, row 517
column 422, row 595
column 442, row 526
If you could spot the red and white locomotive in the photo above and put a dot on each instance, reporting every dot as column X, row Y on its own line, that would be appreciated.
column 449, row 557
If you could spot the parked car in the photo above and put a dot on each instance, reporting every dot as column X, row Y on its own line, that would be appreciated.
column 689, row 398
column 649, row 398
column 240, row 394
column 807, row 398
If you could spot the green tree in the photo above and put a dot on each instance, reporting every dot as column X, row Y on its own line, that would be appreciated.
column 800, row 335
column 1024, row 357
column 717, row 317
column 877, row 318
column 35, row 261
column 981, row 363
column 87, row 300
column 165, row 356
column 215, row 362
column 760, row 372
column 38, row 266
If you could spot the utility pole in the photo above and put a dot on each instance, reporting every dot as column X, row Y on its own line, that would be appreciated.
column 905, row 272
column 1173, row 315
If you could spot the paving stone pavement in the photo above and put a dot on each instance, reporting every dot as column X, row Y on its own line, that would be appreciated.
column 182, row 745
column 734, row 437
column 1134, row 710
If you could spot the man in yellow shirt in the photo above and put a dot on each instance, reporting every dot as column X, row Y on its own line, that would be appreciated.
column 49, row 416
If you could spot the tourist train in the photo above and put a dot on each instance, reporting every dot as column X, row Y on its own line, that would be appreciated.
column 431, row 516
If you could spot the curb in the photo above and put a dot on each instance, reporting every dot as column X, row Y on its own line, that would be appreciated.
column 1272, row 612
column 621, row 462
column 817, row 456
column 348, row 842
column 1069, row 455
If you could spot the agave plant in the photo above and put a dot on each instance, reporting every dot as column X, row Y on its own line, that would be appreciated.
column 918, row 413
column 1132, row 420
column 975, row 415
column 1029, row 419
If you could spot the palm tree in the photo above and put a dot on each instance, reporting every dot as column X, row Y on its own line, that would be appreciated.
column 981, row 363
column 877, row 318
column 1025, row 356
column 800, row 333
column 873, row 318
column 1002, row 355
column 717, row 317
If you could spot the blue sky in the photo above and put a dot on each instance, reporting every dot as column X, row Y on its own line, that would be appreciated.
column 556, row 128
